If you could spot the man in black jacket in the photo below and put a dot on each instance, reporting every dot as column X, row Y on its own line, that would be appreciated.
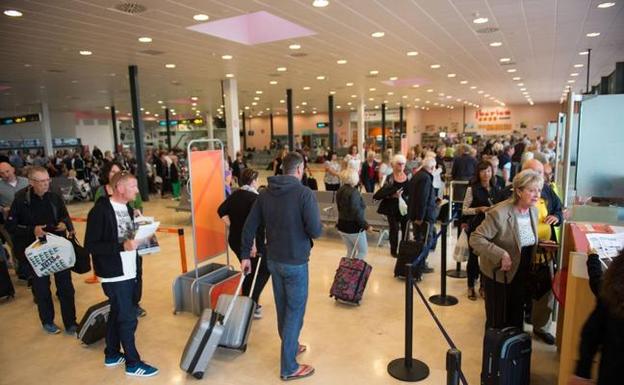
column 421, row 206
column 34, row 212
column 291, row 217
column 464, row 166
column 109, row 238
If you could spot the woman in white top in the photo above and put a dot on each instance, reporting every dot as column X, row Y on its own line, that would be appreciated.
column 352, row 159
column 332, row 172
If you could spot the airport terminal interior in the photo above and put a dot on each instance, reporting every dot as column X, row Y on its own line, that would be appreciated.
column 198, row 114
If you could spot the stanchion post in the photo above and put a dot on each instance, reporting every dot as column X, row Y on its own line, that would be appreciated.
column 182, row 245
column 407, row 368
column 457, row 272
column 453, row 366
column 442, row 299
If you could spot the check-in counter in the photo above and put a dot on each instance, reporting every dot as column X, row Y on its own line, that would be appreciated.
column 579, row 299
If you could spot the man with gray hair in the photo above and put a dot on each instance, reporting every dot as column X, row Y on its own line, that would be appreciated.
column 291, row 217
column 9, row 185
column 421, row 207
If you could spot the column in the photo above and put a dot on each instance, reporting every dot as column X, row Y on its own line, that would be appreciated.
column 230, row 92
column 271, row 126
column 244, row 134
column 330, row 113
column 361, row 128
column 168, row 125
column 291, row 123
column 139, row 131
column 383, row 127
column 115, row 133
column 46, row 129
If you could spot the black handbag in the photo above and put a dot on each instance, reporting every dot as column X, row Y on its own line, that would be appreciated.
column 409, row 250
column 540, row 279
column 83, row 258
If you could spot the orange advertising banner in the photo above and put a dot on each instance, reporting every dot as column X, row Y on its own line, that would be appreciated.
column 207, row 193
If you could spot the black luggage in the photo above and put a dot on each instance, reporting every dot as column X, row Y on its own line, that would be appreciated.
column 506, row 355
column 409, row 250
column 312, row 184
column 6, row 286
column 92, row 327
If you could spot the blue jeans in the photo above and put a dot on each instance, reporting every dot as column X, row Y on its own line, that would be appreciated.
column 290, row 289
column 351, row 240
column 122, row 320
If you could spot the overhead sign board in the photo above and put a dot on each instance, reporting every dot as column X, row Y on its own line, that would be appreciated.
column 19, row 119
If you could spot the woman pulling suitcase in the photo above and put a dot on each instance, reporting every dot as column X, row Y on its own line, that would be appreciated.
column 234, row 211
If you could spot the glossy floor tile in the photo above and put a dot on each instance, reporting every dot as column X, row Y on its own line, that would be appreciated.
column 345, row 344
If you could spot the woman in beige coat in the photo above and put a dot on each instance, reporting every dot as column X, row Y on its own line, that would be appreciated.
column 506, row 242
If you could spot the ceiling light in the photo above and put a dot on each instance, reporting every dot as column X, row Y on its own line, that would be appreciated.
column 487, row 95
column 320, row 3
column 229, row 75
column 412, row 53
column 377, row 34
column 259, row 92
column 107, row 108
column 523, row 89
column 338, row 107
column 480, row 92
column 415, row 85
column 373, row 72
column 226, row 57
column 86, row 53
column 606, row 5
column 354, row 96
column 145, row 39
column 451, row 75
column 516, row 78
column 578, row 66
column 435, row 66
column 13, row 13
column 273, row 82
column 254, row 103
column 372, row 89
column 304, row 103
column 160, row 102
column 390, row 93
column 170, row 65
column 430, row 90
column 371, row 99
column 520, row 84
column 194, row 98
column 583, row 53
column 320, row 77
column 593, row 34
column 147, row 112
column 294, row 46
column 281, row 69
column 201, row 17
column 464, row 82
column 393, row 78
column 496, row 44
column 573, row 74
column 341, row 61
column 441, row 94
column 512, row 70
column 282, row 101
column 571, row 81
column 504, row 59
column 349, row 84
column 473, row 87
column 480, row 20
column 306, row 88
column 246, row 107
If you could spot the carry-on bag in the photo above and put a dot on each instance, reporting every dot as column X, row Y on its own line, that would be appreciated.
column 205, row 338
column 6, row 286
column 236, row 332
column 83, row 258
column 410, row 250
column 92, row 327
column 351, row 277
column 506, row 354
column 50, row 254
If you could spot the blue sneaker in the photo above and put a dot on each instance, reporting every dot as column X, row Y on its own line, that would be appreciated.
column 51, row 329
column 114, row 361
column 141, row 370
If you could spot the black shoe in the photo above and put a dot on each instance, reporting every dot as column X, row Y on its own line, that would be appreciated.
column 141, row 312
column 547, row 338
column 426, row 269
column 394, row 255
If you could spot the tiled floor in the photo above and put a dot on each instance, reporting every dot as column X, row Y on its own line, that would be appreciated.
column 345, row 343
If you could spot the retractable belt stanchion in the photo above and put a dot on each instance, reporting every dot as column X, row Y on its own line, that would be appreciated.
column 407, row 368
column 442, row 299
column 457, row 272
column 453, row 366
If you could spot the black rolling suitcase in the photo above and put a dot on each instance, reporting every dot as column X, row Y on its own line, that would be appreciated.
column 409, row 251
column 506, row 356
column 92, row 327
column 6, row 286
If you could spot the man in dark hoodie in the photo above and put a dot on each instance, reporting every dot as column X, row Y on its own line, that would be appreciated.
column 290, row 214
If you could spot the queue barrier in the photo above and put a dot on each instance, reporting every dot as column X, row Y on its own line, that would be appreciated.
column 166, row 230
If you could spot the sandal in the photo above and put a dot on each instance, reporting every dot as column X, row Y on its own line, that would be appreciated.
column 301, row 349
column 302, row 372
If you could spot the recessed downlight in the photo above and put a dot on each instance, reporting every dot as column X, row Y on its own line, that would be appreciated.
column 306, row 88
column 350, row 84
column 320, row 3
column 573, row 74
column 229, row 75
column 512, row 70
column 583, row 53
column 201, row 17
column 281, row 69
column 294, row 46
column 464, row 82
column 435, row 66
column 145, row 39
column 393, row 78
column 341, row 61
column 373, row 72
column 480, row 20
column 579, row 65
column 606, row 5
column 372, row 89
column 13, row 13
column 226, row 57
column 378, row 34
column 516, row 78
column 496, row 44
column 504, row 59
column 451, row 75
column 86, row 53
column 273, row 82
column 320, row 77
column 170, row 66
column 571, row 81
column 593, row 34
column 412, row 53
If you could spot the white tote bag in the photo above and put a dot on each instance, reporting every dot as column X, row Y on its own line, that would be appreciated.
column 462, row 251
column 49, row 257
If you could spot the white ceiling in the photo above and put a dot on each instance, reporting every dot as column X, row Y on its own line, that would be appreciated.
column 542, row 37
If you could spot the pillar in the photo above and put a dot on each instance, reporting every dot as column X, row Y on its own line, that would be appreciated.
column 291, row 123
column 383, row 127
column 139, row 131
column 230, row 92
column 46, row 129
column 361, row 128
column 330, row 114
column 115, row 133
column 168, row 125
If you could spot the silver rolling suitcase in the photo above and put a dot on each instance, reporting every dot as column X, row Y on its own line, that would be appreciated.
column 204, row 340
column 236, row 332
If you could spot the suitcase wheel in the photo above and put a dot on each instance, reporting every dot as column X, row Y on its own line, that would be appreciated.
column 243, row 348
column 198, row 375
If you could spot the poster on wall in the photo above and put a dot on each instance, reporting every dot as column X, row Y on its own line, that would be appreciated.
column 494, row 119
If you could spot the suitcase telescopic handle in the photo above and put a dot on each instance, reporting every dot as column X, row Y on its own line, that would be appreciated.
column 253, row 283
column 228, row 312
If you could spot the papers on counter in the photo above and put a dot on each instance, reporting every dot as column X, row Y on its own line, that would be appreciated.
column 608, row 246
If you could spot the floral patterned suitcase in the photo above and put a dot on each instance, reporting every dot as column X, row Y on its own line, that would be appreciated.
column 350, row 280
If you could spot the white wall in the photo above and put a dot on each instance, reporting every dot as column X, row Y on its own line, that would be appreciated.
column 98, row 134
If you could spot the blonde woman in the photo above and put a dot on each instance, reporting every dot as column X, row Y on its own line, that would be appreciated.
column 351, row 219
